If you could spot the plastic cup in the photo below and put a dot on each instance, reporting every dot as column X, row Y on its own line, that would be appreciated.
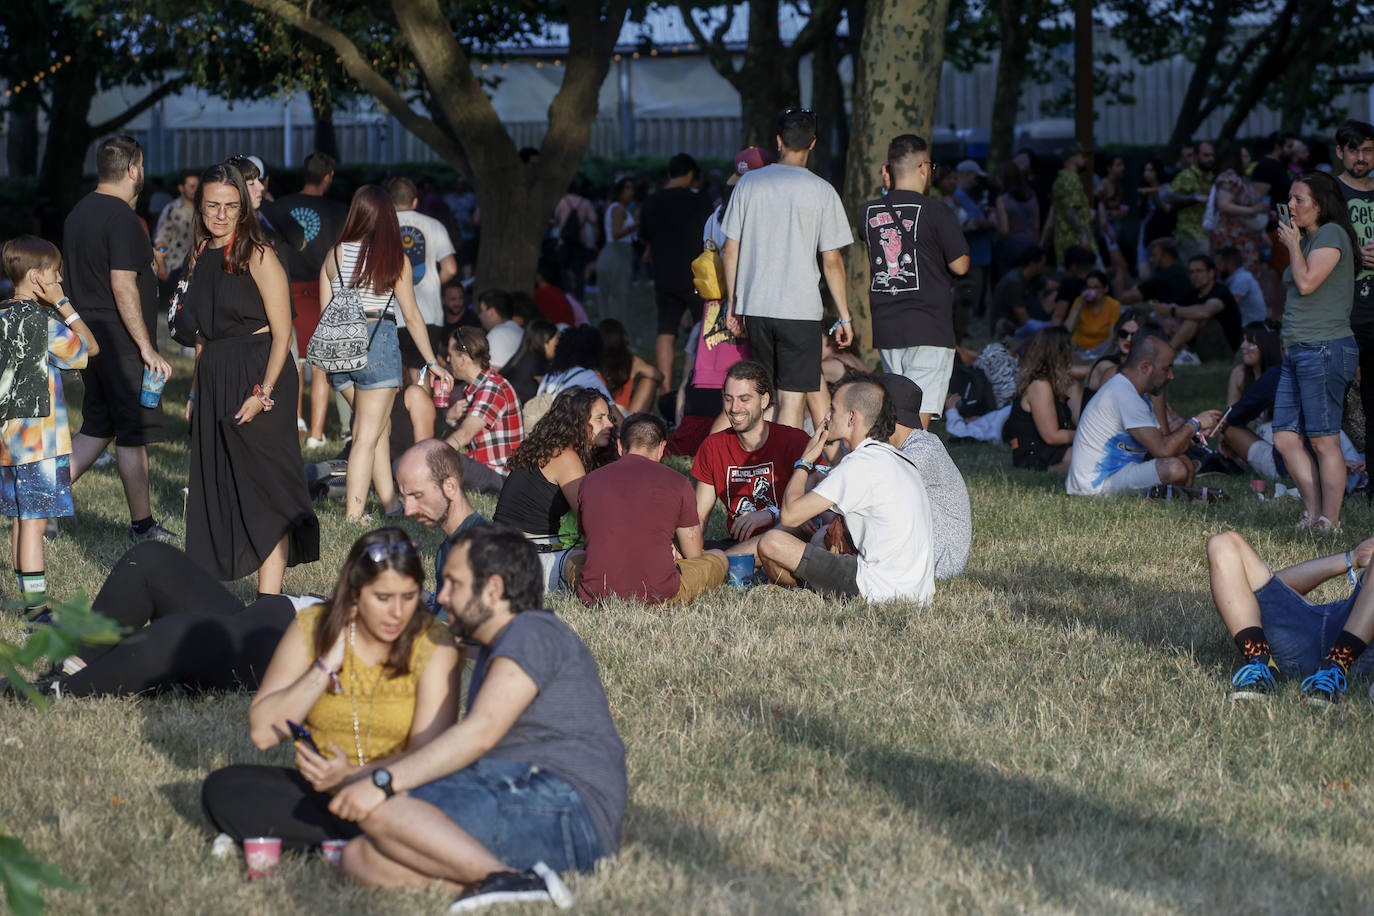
column 442, row 390
column 262, row 853
column 1259, row 486
column 741, row 570
column 332, row 850
column 151, row 393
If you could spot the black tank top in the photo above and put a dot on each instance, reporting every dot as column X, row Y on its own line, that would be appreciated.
column 1020, row 430
column 222, row 304
column 531, row 503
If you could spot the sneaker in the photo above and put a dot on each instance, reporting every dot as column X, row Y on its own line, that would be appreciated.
column 50, row 530
column 301, row 425
column 1326, row 686
column 312, row 442
column 155, row 533
column 1187, row 358
column 105, row 459
column 540, row 883
column 1255, row 680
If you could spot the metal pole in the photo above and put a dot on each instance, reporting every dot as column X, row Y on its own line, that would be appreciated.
column 1083, row 84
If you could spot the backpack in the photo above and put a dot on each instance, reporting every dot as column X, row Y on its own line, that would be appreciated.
column 708, row 273
column 340, row 342
column 976, row 395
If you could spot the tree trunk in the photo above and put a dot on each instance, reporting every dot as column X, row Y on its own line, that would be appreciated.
column 827, row 98
column 896, row 84
column 21, row 144
column 1190, row 112
column 326, row 140
column 1016, row 30
column 69, row 132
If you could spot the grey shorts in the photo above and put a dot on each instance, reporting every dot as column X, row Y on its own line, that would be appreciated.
column 823, row 571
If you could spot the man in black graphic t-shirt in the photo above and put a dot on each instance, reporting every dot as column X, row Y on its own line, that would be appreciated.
column 1355, row 145
column 915, row 249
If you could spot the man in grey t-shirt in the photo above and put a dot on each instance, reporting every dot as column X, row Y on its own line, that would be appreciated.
column 531, row 781
column 778, row 219
column 951, row 516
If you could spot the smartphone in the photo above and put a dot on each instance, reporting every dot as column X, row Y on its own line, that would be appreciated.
column 1283, row 214
column 301, row 733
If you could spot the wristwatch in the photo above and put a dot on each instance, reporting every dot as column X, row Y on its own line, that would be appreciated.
column 381, row 778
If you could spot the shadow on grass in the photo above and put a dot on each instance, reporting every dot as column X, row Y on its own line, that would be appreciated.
column 1054, row 837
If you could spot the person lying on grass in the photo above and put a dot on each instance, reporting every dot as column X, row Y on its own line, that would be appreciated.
column 370, row 673
column 880, row 494
column 1280, row 633
column 530, row 781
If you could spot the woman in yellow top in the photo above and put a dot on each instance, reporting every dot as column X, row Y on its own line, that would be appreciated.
column 1092, row 317
column 371, row 675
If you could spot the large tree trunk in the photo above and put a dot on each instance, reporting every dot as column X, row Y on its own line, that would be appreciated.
column 322, row 109
column 21, row 141
column 69, row 133
column 1016, row 28
column 896, row 84
column 827, row 98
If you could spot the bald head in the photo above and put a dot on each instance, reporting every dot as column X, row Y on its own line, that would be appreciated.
column 430, row 477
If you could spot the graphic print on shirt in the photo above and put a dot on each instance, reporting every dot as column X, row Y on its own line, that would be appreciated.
column 308, row 220
column 894, row 265
column 413, row 243
column 750, row 488
column 1362, row 218
column 1121, row 450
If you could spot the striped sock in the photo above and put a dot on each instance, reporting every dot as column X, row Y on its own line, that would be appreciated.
column 34, row 586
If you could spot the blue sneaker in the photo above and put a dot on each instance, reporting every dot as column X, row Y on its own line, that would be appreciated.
column 1257, row 679
column 1326, row 686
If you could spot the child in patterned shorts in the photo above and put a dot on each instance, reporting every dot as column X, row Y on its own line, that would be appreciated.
column 40, row 335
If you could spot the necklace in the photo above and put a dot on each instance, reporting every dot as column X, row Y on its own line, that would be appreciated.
column 353, row 695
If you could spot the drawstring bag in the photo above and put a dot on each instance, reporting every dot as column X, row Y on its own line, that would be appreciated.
column 341, row 341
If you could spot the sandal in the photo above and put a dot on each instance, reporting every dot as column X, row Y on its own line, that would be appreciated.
column 1324, row 525
column 1304, row 521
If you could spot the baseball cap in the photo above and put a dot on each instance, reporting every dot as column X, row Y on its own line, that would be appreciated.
column 747, row 160
column 905, row 396
column 968, row 165
column 262, row 169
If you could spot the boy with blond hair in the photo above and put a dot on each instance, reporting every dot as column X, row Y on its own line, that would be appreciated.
column 40, row 335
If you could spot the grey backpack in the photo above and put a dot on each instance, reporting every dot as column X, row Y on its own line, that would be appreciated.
column 340, row 342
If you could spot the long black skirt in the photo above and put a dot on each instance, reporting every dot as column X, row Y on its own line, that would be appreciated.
column 247, row 485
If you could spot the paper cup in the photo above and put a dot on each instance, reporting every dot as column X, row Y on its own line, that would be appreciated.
column 262, row 854
column 741, row 570
column 442, row 391
column 332, row 850
column 151, row 393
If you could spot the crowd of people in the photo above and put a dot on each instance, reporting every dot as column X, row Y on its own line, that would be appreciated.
column 828, row 474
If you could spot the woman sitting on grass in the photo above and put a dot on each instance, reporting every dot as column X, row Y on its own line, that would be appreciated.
column 1044, row 411
column 371, row 675
column 1092, row 317
column 631, row 380
column 1101, row 371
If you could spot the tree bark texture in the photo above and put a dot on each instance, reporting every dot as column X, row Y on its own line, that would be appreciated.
column 896, row 84
column 1017, row 23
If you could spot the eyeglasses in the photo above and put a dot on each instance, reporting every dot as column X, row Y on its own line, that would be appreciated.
column 382, row 550
column 798, row 111
column 227, row 209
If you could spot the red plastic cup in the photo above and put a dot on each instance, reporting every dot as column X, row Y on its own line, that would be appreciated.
column 332, row 850
column 442, row 388
column 262, row 853
column 1259, row 486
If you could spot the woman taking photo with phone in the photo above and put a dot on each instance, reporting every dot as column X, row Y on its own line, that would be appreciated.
column 369, row 259
column 1320, row 354
column 247, row 507
column 369, row 673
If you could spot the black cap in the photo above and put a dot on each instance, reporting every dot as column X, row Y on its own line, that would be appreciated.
column 905, row 396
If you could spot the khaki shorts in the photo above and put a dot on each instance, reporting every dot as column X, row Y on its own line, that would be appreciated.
column 699, row 575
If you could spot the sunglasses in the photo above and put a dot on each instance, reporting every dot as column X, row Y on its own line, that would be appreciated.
column 798, row 111
column 1123, row 333
column 383, row 550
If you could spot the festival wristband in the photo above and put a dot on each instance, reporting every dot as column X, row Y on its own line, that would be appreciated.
column 65, row 300
column 806, row 466
column 333, row 675
column 71, row 319
column 836, row 326
column 1350, row 569
column 1196, row 425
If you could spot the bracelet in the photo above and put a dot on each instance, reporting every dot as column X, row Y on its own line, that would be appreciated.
column 431, row 364
column 71, row 319
column 1350, row 569
column 773, row 511
column 333, row 675
column 63, row 301
column 836, row 326
column 804, row 465
column 1196, row 425
column 267, row 402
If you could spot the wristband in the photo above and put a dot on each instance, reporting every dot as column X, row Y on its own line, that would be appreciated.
column 333, row 675
column 63, row 301
column 1350, row 569
column 262, row 396
column 1196, row 425
column 804, row 465
column 431, row 364
column 71, row 319
column 773, row 511
column 836, row 326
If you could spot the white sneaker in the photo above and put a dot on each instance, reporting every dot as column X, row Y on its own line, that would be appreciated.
column 1187, row 358
column 300, row 425
column 312, row 442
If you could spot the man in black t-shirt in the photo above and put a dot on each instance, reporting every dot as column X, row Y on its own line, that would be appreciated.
column 1078, row 263
column 1271, row 177
column 1207, row 299
column 1020, row 298
column 1168, row 282
column 670, row 228
column 915, row 249
column 1355, row 145
column 107, row 260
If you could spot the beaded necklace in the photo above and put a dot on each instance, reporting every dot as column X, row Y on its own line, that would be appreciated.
column 353, row 695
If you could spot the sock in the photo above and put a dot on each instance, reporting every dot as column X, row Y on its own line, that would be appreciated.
column 34, row 586
column 1347, row 648
column 142, row 525
column 1252, row 643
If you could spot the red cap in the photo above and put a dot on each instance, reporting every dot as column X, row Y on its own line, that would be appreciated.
column 749, row 159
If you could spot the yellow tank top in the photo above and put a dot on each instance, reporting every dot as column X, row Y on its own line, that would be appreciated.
column 385, row 705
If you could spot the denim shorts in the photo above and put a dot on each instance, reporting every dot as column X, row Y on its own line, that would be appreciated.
column 1311, row 395
column 1301, row 633
column 383, row 369
column 520, row 813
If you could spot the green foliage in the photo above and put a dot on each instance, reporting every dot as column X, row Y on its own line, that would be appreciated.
column 23, row 877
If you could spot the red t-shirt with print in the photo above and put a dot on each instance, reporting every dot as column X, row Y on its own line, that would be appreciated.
column 749, row 481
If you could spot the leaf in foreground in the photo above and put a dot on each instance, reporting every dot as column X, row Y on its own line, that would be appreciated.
column 23, row 875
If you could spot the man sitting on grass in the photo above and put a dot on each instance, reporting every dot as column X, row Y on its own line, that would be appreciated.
column 630, row 512
column 881, row 496
column 530, row 782
column 1283, row 635
column 1121, row 445
column 429, row 480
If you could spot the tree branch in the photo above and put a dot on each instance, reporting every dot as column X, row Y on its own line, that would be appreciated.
column 136, row 109
column 372, row 81
column 825, row 16
column 715, row 45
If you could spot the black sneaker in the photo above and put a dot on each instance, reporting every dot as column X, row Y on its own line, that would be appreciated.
column 1257, row 679
column 155, row 533
column 539, row 883
column 1326, row 687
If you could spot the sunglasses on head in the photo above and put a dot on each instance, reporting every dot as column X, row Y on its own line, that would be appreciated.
column 382, row 550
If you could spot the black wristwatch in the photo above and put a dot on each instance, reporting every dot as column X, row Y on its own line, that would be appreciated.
column 381, row 778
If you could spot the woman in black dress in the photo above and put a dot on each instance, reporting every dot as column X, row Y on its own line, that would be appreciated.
column 248, row 508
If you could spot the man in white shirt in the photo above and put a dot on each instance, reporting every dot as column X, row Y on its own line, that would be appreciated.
column 1123, row 443
column 432, row 263
column 778, row 219
column 496, row 313
column 880, row 494
column 1245, row 289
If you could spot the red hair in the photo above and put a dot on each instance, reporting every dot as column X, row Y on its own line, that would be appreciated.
column 372, row 222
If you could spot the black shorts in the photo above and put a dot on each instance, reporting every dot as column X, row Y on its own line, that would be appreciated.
column 113, row 379
column 410, row 354
column 1040, row 457
column 790, row 349
column 832, row 573
column 671, row 305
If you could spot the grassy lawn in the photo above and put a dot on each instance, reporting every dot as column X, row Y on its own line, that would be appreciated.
column 1050, row 734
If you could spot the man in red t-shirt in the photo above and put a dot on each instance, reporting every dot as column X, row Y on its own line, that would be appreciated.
column 549, row 298
column 630, row 512
column 747, row 465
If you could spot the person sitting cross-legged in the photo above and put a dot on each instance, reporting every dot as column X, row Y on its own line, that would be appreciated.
column 881, row 496
column 1283, row 635
column 630, row 512
column 530, row 781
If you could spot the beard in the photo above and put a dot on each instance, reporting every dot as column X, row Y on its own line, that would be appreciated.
column 465, row 621
column 138, row 184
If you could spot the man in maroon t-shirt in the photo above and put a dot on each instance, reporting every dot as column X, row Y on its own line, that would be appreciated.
column 747, row 465
column 630, row 512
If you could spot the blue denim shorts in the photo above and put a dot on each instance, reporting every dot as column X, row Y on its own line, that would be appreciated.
column 39, row 489
column 383, row 369
column 1311, row 395
column 1301, row 633
column 520, row 813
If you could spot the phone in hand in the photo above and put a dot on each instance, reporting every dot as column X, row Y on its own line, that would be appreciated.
column 1283, row 214
column 301, row 733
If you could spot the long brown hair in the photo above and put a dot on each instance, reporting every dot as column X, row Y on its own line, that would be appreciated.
column 359, row 569
column 566, row 425
column 247, row 237
column 372, row 223
column 1048, row 355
